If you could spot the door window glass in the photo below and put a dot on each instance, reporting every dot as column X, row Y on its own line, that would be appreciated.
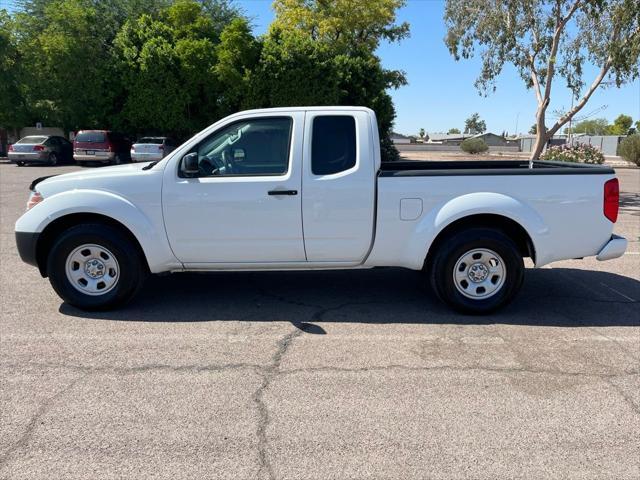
column 333, row 146
column 259, row 146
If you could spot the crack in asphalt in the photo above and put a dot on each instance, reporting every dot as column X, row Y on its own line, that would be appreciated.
column 455, row 369
column 40, row 412
column 141, row 368
column 266, row 369
column 269, row 373
column 634, row 406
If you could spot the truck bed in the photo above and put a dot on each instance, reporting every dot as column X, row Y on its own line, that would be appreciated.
column 418, row 168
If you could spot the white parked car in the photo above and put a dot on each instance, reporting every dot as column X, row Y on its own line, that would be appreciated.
column 304, row 188
column 150, row 149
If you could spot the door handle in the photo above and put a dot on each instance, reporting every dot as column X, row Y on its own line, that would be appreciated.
column 283, row 192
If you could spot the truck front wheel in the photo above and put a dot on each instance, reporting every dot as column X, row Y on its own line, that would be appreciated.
column 95, row 267
column 477, row 270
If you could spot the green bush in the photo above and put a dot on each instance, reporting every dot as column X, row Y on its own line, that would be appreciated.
column 629, row 149
column 580, row 153
column 474, row 145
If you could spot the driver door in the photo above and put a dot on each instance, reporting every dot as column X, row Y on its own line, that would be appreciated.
column 244, row 204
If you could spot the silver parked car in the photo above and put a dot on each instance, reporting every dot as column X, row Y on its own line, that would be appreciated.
column 49, row 149
column 149, row 149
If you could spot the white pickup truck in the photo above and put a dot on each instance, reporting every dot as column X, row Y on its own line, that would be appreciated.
column 304, row 188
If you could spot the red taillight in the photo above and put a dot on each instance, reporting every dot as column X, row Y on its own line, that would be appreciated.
column 11, row 148
column 38, row 148
column 133, row 148
column 611, row 199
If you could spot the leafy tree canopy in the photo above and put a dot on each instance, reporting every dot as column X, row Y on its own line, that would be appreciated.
column 594, row 126
column 353, row 24
column 474, row 124
column 453, row 131
column 545, row 39
column 621, row 125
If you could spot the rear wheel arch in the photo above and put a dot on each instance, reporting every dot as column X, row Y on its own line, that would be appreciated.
column 506, row 225
column 53, row 230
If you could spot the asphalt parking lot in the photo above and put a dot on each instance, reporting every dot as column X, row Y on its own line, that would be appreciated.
column 318, row 375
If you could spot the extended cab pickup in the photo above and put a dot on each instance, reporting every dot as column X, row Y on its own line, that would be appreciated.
column 304, row 188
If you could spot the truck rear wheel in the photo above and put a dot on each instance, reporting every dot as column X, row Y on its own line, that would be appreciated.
column 95, row 267
column 477, row 270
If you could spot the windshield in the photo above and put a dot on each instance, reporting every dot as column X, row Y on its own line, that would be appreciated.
column 91, row 137
column 32, row 140
column 155, row 140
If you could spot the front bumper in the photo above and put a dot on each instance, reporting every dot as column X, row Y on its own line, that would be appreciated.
column 26, row 243
column 615, row 247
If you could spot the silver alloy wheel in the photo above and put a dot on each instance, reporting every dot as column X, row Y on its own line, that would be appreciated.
column 53, row 159
column 479, row 274
column 92, row 269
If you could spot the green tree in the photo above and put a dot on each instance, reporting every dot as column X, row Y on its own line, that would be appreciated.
column 595, row 126
column 323, row 53
column 172, row 80
column 64, row 64
column 453, row 131
column 474, row 124
column 621, row 125
column 534, row 129
column 344, row 23
column 238, row 53
column 546, row 39
column 12, row 106
column 422, row 133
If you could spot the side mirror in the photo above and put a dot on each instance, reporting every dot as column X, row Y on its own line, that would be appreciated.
column 190, row 164
column 238, row 155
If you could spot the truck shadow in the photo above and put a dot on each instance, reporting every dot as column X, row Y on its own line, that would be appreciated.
column 630, row 203
column 561, row 297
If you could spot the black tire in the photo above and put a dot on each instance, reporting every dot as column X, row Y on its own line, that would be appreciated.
column 451, row 250
column 53, row 159
column 117, row 159
column 132, row 268
column 20, row 164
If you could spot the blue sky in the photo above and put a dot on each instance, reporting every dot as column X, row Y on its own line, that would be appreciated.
column 441, row 94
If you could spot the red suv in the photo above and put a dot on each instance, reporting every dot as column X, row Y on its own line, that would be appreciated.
column 101, row 146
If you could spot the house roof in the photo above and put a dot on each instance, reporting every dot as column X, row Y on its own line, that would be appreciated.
column 399, row 135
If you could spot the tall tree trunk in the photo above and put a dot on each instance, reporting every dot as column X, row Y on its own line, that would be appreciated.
column 542, row 135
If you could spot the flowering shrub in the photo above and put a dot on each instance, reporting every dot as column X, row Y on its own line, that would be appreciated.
column 580, row 153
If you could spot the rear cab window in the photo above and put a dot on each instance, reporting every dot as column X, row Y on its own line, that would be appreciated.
column 333, row 144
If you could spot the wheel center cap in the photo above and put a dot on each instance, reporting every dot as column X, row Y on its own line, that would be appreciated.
column 478, row 272
column 94, row 268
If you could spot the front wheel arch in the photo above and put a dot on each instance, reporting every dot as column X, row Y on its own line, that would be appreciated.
column 59, row 225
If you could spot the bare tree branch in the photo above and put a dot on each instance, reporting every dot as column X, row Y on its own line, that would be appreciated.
column 535, row 79
column 596, row 83
column 561, row 23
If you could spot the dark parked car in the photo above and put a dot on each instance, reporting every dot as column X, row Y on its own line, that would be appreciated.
column 49, row 149
column 101, row 146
